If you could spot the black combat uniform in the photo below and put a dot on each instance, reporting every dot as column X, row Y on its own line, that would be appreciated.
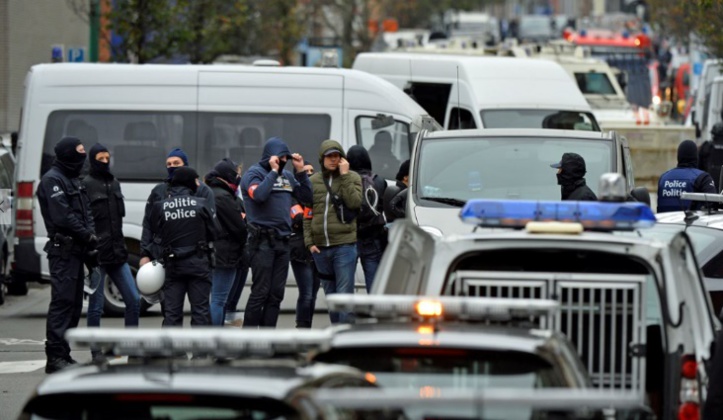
column 186, row 227
column 66, row 212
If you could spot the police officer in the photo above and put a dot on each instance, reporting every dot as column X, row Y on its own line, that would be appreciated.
column 186, row 228
column 686, row 177
column 150, row 245
column 66, row 212
column 267, row 193
column 108, row 209
column 710, row 156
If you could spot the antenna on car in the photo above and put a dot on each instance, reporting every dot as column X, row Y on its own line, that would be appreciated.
column 459, row 113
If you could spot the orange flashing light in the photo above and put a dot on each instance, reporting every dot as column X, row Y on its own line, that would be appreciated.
column 429, row 308
column 425, row 329
column 370, row 377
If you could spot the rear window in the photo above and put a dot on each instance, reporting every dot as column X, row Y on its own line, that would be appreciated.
column 539, row 118
column 139, row 141
column 447, row 368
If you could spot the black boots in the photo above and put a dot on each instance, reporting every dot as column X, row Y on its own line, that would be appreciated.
column 56, row 364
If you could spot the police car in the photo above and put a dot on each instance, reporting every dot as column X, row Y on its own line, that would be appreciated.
column 635, row 308
column 450, row 167
column 251, row 375
column 705, row 229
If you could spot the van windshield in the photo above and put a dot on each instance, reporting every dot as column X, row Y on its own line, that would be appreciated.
column 502, row 167
column 539, row 118
column 594, row 83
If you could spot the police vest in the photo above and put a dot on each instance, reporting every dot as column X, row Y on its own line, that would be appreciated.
column 182, row 224
column 672, row 184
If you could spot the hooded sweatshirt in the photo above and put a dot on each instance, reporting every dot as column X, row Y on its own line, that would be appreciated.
column 324, row 228
column 268, row 195
column 572, row 181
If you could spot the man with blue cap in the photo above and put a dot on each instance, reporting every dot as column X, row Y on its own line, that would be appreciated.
column 151, row 244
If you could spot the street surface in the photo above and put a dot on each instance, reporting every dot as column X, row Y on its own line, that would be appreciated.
column 22, row 335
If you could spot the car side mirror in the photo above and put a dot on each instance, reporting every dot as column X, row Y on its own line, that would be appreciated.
column 641, row 194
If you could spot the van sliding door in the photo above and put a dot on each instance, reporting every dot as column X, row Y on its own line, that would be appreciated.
column 240, row 110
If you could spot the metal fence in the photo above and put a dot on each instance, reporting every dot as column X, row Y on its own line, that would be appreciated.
column 603, row 315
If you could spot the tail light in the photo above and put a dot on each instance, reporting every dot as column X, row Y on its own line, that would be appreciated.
column 24, row 210
column 689, row 389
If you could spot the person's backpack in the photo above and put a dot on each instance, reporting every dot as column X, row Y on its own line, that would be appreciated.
column 372, row 209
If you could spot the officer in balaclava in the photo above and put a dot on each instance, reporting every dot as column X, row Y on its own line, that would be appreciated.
column 570, row 177
column 686, row 177
column 710, row 155
column 68, row 220
column 186, row 228
column 150, row 250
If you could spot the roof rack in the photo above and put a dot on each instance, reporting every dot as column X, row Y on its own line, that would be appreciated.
column 216, row 342
column 450, row 308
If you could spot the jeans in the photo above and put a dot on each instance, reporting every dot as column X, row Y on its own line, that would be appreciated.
column 121, row 276
column 223, row 282
column 269, row 267
column 308, row 283
column 238, row 285
column 338, row 262
column 370, row 253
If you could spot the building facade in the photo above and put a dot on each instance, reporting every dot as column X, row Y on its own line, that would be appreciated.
column 28, row 31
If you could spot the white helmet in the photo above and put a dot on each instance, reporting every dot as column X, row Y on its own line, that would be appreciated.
column 150, row 278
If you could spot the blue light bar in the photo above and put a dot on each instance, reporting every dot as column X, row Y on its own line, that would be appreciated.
column 591, row 215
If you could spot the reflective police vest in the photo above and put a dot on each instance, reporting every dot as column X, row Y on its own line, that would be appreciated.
column 672, row 184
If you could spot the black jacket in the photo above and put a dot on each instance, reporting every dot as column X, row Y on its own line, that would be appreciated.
column 150, row 244
column 390, row 193
column 106, row 204
column 369, row 224
column 578, row 191
column 65, row 207
column 232, row 235
column 185, row 224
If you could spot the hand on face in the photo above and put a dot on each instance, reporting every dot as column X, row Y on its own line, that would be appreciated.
column 298, row 161
column 274, row 163
column 343, row 166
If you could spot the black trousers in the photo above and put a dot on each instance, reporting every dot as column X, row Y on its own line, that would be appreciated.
column 66, row 303
column 269, row 263
column 179, row 283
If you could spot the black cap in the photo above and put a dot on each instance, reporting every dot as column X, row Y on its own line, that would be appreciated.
column 403, row 170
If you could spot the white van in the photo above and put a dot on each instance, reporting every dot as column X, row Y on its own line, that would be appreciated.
column 711, row 70
column 712, row 107
column 141, row 112
column 463, row 92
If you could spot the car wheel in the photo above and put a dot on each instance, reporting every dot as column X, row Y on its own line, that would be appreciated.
column 113, row 304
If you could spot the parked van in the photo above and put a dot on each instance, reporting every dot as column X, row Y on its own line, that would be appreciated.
column 711, row 70
column 464, row 92
column 712, row 107
column 141, row 112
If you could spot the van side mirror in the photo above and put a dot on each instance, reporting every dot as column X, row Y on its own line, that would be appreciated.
column 381, row 121
column 641, row 194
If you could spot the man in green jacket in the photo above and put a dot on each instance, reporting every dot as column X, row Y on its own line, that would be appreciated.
column 332, row 242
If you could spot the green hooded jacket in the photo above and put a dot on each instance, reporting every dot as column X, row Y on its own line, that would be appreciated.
column 324, row 229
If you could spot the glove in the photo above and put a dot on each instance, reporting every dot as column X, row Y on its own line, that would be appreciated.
column 92, row 241
column 90, row 259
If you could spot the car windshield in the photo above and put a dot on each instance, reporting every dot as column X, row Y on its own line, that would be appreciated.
column 502, row 167
column 447, row 368
column 162, row 406
column 594, row 83
column 538, row 118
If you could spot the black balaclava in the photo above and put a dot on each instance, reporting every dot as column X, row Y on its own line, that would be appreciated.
column 226, row 170
column 573, row 169
column 97, row 167
column 184, row 176
column 687, row 154
column 67, row 159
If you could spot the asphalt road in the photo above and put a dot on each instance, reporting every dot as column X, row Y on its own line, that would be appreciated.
column 22, row 335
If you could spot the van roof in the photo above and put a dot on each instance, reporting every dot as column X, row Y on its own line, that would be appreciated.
column 387, row 96
column 518, row 132
column 498, row 82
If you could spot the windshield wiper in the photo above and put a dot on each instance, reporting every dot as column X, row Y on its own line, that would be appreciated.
column 446, row 200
